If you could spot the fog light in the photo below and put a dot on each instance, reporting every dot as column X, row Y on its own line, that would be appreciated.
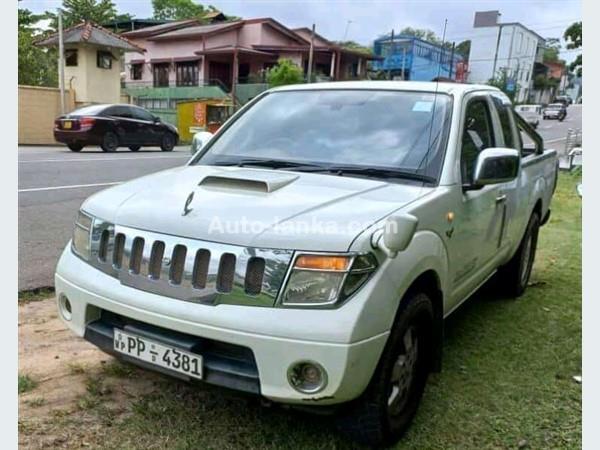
column 307, row 377
column 64, row 305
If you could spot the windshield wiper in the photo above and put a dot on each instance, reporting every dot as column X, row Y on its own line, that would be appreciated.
column 270, row 163
column 378, row 172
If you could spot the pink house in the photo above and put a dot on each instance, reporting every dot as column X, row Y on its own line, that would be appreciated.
column 188, row 53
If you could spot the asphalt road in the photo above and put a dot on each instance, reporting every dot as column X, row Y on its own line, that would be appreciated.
column 54, row 182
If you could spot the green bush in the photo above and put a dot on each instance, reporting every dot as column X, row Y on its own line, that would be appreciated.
column 285, row 72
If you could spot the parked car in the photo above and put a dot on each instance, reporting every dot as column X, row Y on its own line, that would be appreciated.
column 310, row 251
column 564, row 99
column 531, row 113
column 113, row 126
column 555, row 111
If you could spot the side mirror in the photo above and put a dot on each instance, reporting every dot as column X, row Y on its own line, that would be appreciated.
column 396, row 234
column 199, row 140
column 157, row 119
column 496, row 165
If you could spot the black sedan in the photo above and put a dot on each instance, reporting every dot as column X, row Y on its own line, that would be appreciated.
column 113, row 126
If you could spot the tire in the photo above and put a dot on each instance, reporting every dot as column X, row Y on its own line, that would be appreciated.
column 110, row 142
column 168, row 142
column 134, row 148
column 514, row 276
column 75, row 147
column 381, row 415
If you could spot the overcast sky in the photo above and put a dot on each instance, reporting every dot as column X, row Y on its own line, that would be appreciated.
column 370, row 19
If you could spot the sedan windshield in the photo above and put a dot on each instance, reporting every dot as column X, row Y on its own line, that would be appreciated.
column 400, row 131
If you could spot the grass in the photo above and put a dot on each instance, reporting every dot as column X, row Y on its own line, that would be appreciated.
column 26, row 383
column 507, row 379
column 35, row 295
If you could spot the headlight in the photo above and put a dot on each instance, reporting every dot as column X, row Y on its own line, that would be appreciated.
column 322, row 280
column 82, row 235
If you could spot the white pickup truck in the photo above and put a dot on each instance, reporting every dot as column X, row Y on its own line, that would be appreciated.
column 310, row 251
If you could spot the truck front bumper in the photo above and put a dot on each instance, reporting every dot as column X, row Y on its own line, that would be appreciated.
column 263, row 353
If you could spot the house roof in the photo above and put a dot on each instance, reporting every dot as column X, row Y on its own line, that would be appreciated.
column 91, row 33
column 163, row 28
column 232, row 49
column 305, row 32
column 196, row 30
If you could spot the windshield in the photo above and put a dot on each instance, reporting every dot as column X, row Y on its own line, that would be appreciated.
column 356, row 128
column 555, row 106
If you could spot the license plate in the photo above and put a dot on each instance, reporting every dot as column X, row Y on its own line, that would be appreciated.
column 67, row 124
column 158, row 354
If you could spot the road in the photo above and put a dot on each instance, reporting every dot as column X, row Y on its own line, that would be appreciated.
column 53, row 182
column 554, row 132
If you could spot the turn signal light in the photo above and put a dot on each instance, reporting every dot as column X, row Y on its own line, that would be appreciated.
column 318, row 262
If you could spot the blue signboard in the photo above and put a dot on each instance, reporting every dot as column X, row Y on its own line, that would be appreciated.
column 510, row 85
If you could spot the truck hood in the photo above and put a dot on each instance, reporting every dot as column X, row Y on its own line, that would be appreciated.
column 253, row 207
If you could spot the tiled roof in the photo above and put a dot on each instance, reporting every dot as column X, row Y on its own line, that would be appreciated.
column 92, row 34
column 196, row 30
column 158, row 29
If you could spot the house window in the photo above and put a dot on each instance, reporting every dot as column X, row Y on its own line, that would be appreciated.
column 136, row 71
column 160, row 73
column 187, row 73
column 71, row 57
column 104, row 60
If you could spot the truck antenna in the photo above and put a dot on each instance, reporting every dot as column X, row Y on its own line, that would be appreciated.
column 437, row 82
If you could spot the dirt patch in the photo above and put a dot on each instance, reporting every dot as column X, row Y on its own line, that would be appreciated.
column 77, row 386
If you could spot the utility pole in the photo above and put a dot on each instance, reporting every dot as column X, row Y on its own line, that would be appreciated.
column 346, row 32
column 310, row 54
column 451, row 61
column 497, row 47
column 391, row 52
column 61, row 62
column 403, row 59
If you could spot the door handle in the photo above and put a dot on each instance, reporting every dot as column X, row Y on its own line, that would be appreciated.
column 501, row 198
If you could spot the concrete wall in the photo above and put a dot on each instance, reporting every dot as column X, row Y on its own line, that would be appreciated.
column 38, row 107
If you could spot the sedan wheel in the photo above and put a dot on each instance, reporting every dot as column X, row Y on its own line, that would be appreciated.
column 75, row 147
column 110, row 143
column 168, row 142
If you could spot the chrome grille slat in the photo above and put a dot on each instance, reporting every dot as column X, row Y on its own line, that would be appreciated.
column 204, row 275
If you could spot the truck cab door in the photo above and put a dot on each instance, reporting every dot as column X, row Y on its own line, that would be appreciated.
column 478, row 213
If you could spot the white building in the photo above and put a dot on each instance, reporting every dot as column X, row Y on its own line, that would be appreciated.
column 498, row 48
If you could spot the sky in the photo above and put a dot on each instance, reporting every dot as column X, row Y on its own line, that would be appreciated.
column 363, row 21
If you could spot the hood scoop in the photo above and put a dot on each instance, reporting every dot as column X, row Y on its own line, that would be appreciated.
column 248, row 180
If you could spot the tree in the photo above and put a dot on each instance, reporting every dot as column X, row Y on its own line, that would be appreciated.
column 177, row 9
column 502, row 82
column 552, row 50
column 352, row 45
column 77, row 11
column 36, row 66
column 463, row 49
column 574, row 40
column 426, row 35
column 285, row 72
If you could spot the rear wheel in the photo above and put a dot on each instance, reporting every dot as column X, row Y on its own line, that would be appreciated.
column 514, row 276
column 385, row 410
column 168, row 142
column 75, row 147
column 110, row 142
column 134, row 148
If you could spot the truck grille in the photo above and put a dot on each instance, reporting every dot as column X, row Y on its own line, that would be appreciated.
column 188, row 269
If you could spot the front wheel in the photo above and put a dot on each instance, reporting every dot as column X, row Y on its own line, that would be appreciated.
column 168, row 142
column 514, row 276
column 75, row 147
column 385, row 410
column 110, row 142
